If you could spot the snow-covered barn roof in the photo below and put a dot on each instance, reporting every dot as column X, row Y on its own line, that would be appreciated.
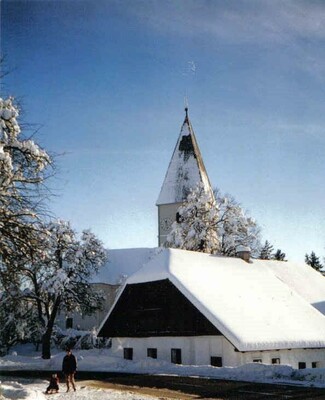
column 121, row 264
column 306, row 281
column 186, row 168
column 252, row 304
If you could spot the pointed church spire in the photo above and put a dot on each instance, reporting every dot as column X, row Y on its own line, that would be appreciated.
column 185, row 171
column 186, row 168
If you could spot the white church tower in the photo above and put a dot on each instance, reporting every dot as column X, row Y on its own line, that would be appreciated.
column 185, row 171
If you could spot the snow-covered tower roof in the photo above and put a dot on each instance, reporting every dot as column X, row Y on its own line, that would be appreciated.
column 186, row 168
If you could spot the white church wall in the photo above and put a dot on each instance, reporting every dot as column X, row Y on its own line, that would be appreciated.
column 166, row 216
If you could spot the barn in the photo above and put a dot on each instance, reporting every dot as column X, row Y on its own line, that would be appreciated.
column 201, row 309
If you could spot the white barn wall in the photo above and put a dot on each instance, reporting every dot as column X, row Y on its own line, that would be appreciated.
column 195, row 350
column 206, row 347
column 231, row 357
column 198, row 350
column 288, row 357
column 163, row 345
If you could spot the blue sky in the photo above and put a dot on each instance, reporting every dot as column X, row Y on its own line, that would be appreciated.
column 106, row 80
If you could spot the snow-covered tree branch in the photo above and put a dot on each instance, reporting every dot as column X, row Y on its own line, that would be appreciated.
column 23, row 169
column 55, row 275
column 44, row 267
column 195, row 228
column 235, row 227
column 213, row 225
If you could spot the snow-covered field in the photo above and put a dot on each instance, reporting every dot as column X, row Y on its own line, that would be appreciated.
column 25, row 358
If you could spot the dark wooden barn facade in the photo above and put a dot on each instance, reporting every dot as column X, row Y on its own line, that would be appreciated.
column 155, row 309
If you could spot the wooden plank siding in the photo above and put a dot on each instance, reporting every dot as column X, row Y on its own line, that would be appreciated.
column 155, row 309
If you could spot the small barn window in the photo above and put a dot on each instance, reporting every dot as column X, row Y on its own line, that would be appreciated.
column 152, row 353
column 257, row 360
column 176, row 356
column 315, row 364
column 128, row 353
column 301, row 365
column 69, row 323
column 276, row 361
column 216, row 361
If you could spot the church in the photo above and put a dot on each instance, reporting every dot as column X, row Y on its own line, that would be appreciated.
column 185, row 171
column 194, row 308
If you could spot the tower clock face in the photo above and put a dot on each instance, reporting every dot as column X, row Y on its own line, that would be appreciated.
column 165, row 224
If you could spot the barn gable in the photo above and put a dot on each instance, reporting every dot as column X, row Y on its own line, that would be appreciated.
column 155, row 309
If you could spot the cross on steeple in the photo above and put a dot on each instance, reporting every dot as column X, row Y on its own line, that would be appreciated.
column 186, row 113
column 186, row 107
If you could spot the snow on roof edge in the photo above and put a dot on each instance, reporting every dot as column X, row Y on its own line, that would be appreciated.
column 112, row 307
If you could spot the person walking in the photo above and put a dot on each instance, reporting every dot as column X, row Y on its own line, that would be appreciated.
column 69, row 367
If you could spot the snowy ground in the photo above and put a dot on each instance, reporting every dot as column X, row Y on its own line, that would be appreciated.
column 25, row 358
column 34, row 390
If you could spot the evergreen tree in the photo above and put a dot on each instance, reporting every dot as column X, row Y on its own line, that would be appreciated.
column 313, row 261
column 266, row 251
column 279, row 256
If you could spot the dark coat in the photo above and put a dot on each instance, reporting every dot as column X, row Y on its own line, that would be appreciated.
column 54, row 384
column 69, row 364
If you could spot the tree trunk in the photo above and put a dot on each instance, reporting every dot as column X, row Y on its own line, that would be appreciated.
column 46, row 339
column 46, row 344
